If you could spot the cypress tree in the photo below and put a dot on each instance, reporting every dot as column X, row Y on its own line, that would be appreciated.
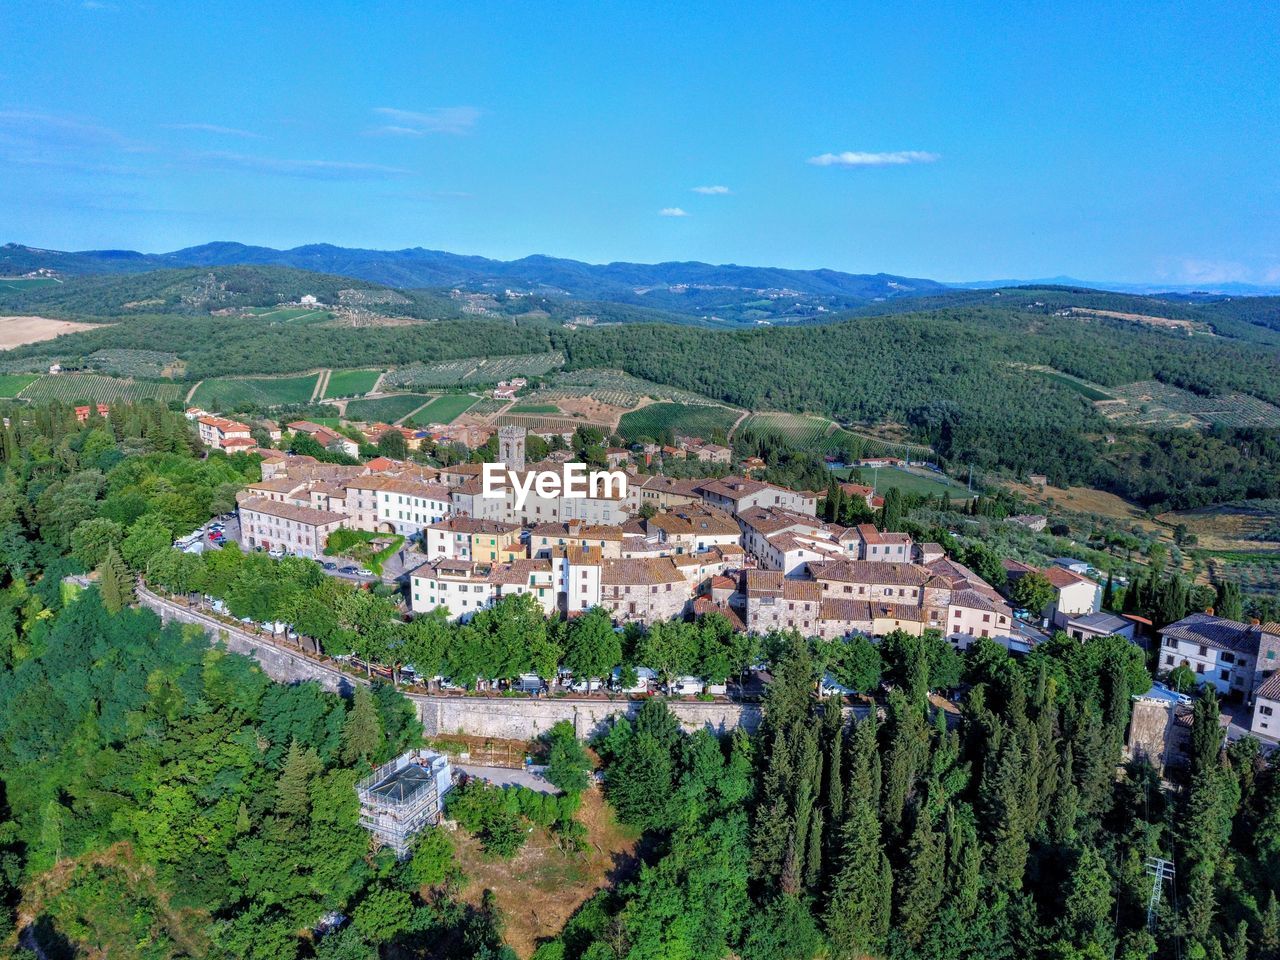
column 114, row 582
column 362, row 729
column 921, row 884
column 1004, row 816
column 293, row 797
column 859, row 907
column 1230, row 603
column 964, row 865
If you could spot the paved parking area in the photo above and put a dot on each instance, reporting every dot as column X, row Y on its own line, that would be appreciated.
column 507, row 776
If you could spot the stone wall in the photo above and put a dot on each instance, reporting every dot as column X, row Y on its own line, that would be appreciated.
column 512, row 718
column 524, row 718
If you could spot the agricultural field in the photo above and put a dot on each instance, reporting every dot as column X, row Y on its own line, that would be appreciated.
column 25, row 283
column 387, row 409
column 613, row 387
column 351, row 383
column 913, row 481
column 444, row 409
column 807, row 432
column 133, row 363
column 487, row 407
column 1090, row 391
column 679, row 418
column 1258, row 573
column 11, row 384
column 452, row 373
column 228, row 393
column 537, row 424
column 1241, row 526
column 1151, row 403
column 538, row 408
column 19, row 331
column 290, row 314
column 1089, row 502
column 92, row 388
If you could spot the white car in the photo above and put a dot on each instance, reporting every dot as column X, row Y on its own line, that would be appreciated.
column 362, row 572
column 275, row 553
column 585, row 685
column 685, row 686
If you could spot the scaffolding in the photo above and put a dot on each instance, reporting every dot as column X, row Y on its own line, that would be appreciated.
column 402, row 797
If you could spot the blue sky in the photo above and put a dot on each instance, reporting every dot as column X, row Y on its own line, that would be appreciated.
column 1108, row 141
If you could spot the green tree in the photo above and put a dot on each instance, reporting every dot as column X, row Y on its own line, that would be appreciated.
column 114, row 582
column 362, row 730
column 1032, row 591
column 383, row 914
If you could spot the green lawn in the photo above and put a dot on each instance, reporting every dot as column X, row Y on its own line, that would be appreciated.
column 227, row 393
column 444, row 409
column 11, row 384
column 925, row 483
column 351, row 383
column 549, row 408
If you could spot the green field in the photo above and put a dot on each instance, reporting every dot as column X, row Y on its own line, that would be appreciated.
column 227, row 393
column 351, row 383
column 25, row 283
column 1087, row 390
column 451, row 373
column 549, row 409
column 924, row 483
column 387, row 409
column 805, row 432
column 11, row 384
column 291, row 314
column 444, row 409
column 680, row 418
column 89, row 387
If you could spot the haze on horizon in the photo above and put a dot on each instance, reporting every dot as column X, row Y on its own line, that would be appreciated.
column 957, row 144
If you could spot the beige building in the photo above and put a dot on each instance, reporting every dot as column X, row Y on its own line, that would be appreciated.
column 273, row 525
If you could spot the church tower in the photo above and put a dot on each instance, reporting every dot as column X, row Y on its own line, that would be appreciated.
column 511, row 447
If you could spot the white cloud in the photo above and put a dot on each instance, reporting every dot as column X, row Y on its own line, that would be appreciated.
column 852, row 158
column 672, row 212
column 716, row 191
column 411, row 123
column 215, row 129
column 306, row 169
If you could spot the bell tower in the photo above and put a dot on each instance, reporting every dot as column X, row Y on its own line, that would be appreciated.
column 511, row 447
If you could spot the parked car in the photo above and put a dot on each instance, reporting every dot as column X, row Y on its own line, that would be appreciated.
column 528, row 683
column 364, row 572
column 644, row 679
column 586, row 685
column 685, row 686
column 275, row 553
column 329, row 565
column 347, row 570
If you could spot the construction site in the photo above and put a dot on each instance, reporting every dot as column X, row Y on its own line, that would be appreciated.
column 402, row 797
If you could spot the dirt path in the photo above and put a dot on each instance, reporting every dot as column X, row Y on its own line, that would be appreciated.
column 192, row 392
column 736, row 424
column 322, row 385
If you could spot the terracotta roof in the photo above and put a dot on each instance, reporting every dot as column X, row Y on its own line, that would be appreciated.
column 845, row 611
column 287, row 511
column 802, row 590
column 676, row 522
column 1217, row 632
column 518, row 572
column 646, row 572
column 572, row 530
column 405, row 485
column 276, row 485
column 1062, row 577
column 1270, row 689
column 870, row 571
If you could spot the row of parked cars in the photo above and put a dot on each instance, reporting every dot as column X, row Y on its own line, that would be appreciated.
column 646, row 682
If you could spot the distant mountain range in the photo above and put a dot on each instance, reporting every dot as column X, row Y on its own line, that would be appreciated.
column 1230, row 289
column 416, row 267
